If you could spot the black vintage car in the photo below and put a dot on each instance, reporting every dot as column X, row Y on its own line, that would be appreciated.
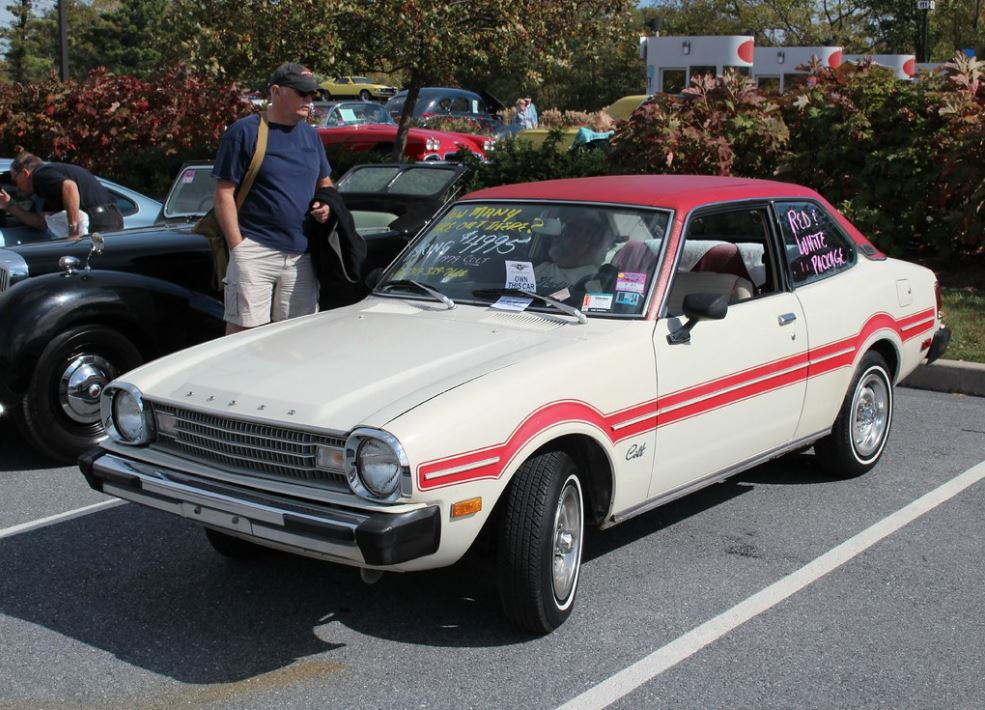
column 74, row 315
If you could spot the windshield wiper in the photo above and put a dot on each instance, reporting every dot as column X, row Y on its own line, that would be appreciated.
column 432, row 292
column 523, row 293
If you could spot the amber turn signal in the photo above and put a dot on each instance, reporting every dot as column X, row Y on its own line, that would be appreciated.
column 466, row 507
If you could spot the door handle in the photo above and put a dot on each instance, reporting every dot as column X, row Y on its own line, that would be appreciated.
column 786, row 318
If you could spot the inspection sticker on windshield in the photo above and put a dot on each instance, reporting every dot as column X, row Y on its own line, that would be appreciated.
column 631, row 281
column 512, row 303
column 597, row 302
column 188, row 176
column 520, row 274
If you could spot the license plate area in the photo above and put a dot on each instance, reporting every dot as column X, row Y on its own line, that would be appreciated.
column 216, row 518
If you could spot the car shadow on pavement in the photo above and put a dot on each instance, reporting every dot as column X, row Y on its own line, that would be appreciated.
column 16, row 454
column 148, row 588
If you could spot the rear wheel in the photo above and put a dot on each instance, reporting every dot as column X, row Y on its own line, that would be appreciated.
column 60, row 411
column 540, row 543
column 860, row 432
column 235, row 548
column 326, row 95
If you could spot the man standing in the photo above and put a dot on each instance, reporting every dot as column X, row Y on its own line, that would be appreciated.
column 270, row 275
column 64, row 188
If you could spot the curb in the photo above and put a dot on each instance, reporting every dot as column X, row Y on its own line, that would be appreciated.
column 956, row 376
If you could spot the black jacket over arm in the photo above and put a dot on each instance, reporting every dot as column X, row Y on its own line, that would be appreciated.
column 338, row 252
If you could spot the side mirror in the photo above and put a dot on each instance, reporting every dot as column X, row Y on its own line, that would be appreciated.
column 97, row 247
column 698, row 307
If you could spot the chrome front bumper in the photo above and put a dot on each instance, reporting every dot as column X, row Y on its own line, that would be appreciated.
column 343, row 535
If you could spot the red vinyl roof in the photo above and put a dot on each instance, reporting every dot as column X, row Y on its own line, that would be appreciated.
column 679, row 192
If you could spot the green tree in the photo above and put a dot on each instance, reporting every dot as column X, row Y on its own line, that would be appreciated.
column 128, row 37
column 245, row 40
column 428, row 41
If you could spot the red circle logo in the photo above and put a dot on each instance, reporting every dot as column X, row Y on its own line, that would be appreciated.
column 745, row 51
column 834, row 59
column 909, row 66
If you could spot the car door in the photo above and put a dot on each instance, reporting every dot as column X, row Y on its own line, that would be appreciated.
column 731, row 393
column 820, row 267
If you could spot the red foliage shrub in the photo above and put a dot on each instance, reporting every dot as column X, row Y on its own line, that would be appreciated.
column 129, row 130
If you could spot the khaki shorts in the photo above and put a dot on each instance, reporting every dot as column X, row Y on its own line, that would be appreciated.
column 264, row 284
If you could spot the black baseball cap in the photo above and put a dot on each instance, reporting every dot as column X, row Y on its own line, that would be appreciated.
column 294, row 76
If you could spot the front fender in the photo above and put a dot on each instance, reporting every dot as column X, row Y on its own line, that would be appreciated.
column 159, row 317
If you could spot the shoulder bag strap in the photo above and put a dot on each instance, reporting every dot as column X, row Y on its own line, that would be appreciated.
column 254, row 168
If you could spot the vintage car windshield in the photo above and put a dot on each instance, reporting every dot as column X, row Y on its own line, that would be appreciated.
column 600, row 259
column 192, row 194
column 355, row 113
column 397, row 180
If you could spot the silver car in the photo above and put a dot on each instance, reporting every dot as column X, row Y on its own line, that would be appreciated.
column 138, row 211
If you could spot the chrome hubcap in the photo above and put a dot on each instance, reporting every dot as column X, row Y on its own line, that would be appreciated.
column 870, row 414
column 567, row 541
column 81, row 385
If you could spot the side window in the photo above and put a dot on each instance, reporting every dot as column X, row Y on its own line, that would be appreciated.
column 814, row 245
column 460, row 104
column 725, row 252
column 126, row 206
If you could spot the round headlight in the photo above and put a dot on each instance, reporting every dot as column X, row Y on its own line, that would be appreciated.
column 130, row 418
column 376, row 465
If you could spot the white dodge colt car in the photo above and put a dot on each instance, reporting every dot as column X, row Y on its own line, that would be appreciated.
column 543, row 357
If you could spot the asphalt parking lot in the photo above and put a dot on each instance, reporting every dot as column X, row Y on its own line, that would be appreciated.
column 749, row 594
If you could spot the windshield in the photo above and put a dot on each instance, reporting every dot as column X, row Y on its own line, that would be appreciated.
column 598, row 259
column 350, row 114
column 192, row 193
column 423, row 180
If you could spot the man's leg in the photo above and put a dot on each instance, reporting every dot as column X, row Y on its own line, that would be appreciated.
column 297, row 289
column 249, row 285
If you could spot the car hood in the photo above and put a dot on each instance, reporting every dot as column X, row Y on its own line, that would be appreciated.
column 361, row 365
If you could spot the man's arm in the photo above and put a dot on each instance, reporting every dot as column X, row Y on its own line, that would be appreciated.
column 71, row 201
column 31, row 219
column 321, row 210
column 226, row 212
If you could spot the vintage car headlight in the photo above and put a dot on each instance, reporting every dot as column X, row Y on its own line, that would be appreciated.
column 376, row 465
column 488, row 144
column 432, row 144
column 129, row 419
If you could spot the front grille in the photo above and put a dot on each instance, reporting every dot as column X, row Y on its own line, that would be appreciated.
column 247, row 447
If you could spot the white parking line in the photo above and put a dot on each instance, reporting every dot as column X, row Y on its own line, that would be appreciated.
column 645, row 670
column 52, row 519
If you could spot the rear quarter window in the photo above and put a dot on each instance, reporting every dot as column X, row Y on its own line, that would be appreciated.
column 814, row 245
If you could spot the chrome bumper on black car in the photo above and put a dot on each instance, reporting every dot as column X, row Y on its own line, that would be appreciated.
column 942, row 338
column 343, row 534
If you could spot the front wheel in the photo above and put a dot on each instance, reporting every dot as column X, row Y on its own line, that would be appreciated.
column 60, row 411
column 540, row 543
column 365, row 95
column 861, row 430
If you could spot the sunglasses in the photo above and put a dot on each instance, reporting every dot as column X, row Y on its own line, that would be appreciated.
column 305, row 94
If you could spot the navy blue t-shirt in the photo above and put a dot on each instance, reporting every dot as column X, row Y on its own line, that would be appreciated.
column 274, row 210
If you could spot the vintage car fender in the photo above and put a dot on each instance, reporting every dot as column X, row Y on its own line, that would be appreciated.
column 486, row 458
column 157, row 316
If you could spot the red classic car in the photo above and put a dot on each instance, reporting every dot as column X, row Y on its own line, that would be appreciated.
column 364, row 125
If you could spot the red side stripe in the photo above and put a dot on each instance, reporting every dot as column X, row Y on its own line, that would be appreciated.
column 709, row 396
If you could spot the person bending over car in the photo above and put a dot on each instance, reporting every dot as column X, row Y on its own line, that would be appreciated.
column 71, row 195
